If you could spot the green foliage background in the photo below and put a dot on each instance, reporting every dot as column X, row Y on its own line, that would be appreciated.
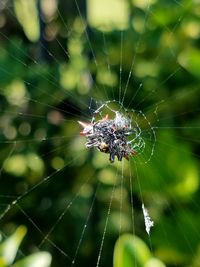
column 47, row 77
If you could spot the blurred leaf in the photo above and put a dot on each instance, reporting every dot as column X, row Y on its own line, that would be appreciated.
column 15, row 92
column 39, row 259
column 190, row 60
column 153, row 262
column 27, row 15
column 99, row 14
column 130, row 251
column 18, row 165
column 9, row 248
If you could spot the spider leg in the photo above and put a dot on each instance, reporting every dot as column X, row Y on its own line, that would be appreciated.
column 119, row 156
column 112, row 157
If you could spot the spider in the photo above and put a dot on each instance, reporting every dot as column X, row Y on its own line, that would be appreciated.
column 109, row 136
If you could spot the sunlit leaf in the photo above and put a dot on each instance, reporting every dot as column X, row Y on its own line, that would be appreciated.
column 39, row 259
column 27, row 15
column 153, row 262
column 130, row 251
column 9, row 248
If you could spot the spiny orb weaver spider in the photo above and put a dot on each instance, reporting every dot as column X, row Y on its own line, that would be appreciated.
column 110, row 135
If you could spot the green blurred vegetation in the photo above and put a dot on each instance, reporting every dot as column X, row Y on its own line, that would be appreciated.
column 48, row 75
column 132, row 251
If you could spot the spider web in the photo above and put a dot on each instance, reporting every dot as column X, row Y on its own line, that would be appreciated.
column 42, row 152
